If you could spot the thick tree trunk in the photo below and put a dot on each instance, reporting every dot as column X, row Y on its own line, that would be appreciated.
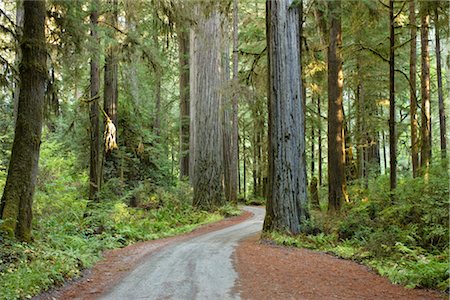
column 234, row 162
column 287, row 201
column 110, row 95
column 18, row 57
column 319, row 139
column 206, row 82
column 94, row 166
column 392, row 133
column 413, row 92
column 337, row 193
column 17, row 200
column 183, row 43
column 442, row 123
column 425, row 153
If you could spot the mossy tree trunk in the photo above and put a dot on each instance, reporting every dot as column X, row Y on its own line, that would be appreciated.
column 94, row 168
column 183, row 42
column 337, row 193
column 110, row 94
column 17, row 200
column 287, row 202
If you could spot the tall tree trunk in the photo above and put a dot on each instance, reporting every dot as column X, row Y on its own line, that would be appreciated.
column 158, row 75
column 413, row 92
column 183, row 42
column 205, row 86
column 227, row 111
column 384, row 151
column 360, row 121
column 244, row 171
column 392, row 133
column 234, row 131
column 17, row 200
column 94, row 167
column 425, row 153
column 442, row 125
column 18, row 57
column 337, row 190
column 312, row 144
column 319, row 138
column 110, row 94
column 287, row 200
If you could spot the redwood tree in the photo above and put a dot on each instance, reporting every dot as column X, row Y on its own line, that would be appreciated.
column 413, row 91
column 94, row 167
column 206, row 79
column 286, row 202
column 17, row 200
column 425, row 151
column 392, row 134
column 336, row 144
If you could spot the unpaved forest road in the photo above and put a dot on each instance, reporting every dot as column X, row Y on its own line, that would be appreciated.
column 198, row 268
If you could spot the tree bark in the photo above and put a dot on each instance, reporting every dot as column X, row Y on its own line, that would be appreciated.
column 319, row 138
column 425, row 153
column 287, row 201
column 337, row 193
column 234, row 131
column 158, row 75
column 205, row 86
column 227, row 112
column 18, row 54
column 183, row 43
column 94, row 167
column 110, row 94
column 392, row 133
column 17, row 200
column 312, row 144
column 413, row 91
column 442, row 123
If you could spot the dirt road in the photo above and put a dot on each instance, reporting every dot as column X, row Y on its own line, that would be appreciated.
column 198, row 268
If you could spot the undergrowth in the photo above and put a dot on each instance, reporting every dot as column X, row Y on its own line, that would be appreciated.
column 70, row 235
column 406, row 240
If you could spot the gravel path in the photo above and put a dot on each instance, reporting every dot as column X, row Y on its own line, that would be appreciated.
column 199, row 268
column 209, row 263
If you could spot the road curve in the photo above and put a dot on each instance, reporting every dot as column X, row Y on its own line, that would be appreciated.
column 199, row 268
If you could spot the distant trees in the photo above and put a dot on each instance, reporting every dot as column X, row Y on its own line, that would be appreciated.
column 286, row 196
column 16, row 203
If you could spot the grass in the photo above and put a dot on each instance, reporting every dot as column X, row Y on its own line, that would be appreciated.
column 406, row 241
column 69, row 237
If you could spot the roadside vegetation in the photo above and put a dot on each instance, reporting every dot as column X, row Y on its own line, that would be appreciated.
column 69, row 238
column 406, row 240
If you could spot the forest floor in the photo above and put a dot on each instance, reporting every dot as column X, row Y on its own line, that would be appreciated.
column 268, row 271
column 265, row 271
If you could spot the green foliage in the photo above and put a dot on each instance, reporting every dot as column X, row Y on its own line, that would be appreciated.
column 407, row 240
column 70, row 233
